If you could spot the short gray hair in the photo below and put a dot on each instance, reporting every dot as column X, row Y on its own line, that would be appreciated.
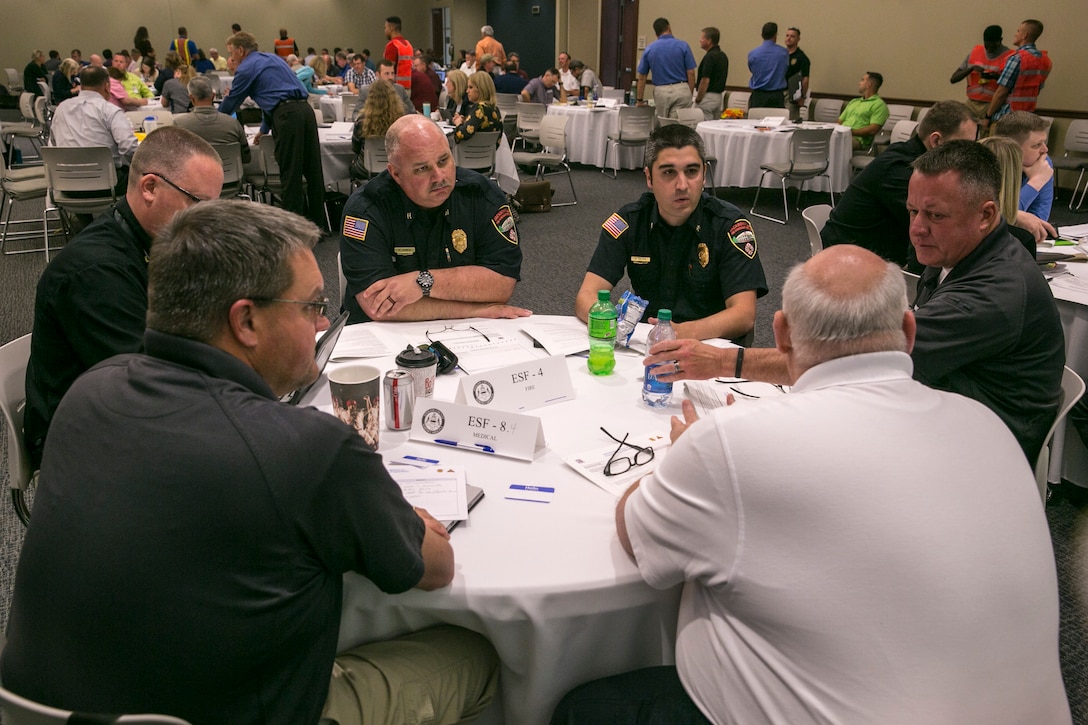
column 978, row 168
column 200, row 88
column 487, row 30
column 215, row 253
column 825, row 325
column 165, row 149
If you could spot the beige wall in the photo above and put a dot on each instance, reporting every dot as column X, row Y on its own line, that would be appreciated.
column 466, row 19
column 898, row 38
column 93, row 26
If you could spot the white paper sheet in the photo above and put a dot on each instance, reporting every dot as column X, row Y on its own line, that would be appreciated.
column 439, row 489
column 591, row 463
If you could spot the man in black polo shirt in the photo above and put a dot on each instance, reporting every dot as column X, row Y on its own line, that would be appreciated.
column 684, row 250
column 872, row 213
column 425, row 240
column 712, row 74
column 91, row 301
column 796, row 75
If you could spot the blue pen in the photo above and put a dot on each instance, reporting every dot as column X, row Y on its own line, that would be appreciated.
column 471, row 447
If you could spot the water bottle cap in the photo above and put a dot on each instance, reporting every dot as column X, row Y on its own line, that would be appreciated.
column 604, row 295
column 664, row 315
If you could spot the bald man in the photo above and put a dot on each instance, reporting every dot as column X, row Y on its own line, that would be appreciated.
column 425, row 240
column 843, row 514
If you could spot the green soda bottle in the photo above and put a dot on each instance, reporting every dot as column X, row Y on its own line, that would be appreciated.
column 602, row 335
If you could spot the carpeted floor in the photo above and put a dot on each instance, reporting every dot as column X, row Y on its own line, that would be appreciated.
column 557, row 247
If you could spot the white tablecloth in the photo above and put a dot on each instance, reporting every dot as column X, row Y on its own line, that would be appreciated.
column 587, row 132
column 740, row 149
column 332, row 108
column 548, row 584
column 1068, row 457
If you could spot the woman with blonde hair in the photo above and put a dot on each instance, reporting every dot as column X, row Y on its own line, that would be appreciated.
column 382, row 108
column 1011, row 157
column 64, row 81
column 175, row 92
column 457, row 88
column 485, row 114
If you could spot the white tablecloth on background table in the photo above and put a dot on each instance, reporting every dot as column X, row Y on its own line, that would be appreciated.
column 587, row 132
column 548, row 584
column 740, row 149
column 332, row 108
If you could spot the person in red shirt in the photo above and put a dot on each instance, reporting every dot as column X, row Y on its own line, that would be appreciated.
column 400, row 51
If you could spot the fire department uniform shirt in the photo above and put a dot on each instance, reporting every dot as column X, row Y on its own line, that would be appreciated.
column 691, row 269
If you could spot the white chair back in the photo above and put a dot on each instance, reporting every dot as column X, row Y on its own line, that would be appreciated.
column 903, row 130
column 827, row 110
column 1072, row 391
column 477, row 152
column 762, row 112
column 14, row 357
column 738, row 99
column 815, row 217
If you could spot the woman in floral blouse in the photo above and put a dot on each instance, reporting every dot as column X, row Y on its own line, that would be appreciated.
column 485, row 115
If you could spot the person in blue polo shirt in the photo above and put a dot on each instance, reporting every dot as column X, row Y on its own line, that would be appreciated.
column 768, row 63
column 673, row 66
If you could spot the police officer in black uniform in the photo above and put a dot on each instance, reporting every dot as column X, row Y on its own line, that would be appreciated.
column 684, row 250
column 425, row 240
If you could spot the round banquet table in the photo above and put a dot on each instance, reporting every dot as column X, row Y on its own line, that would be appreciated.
column 740, row 148
column 587, row 132
column 548, row 584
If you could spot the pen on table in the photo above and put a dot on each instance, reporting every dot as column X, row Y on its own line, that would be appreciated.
column 470, row 446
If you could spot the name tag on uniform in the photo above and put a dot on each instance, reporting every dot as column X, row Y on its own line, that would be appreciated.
column 640, row 260
column 518, row 387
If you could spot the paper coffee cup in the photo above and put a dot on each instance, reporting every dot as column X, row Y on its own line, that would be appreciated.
column 356, row 391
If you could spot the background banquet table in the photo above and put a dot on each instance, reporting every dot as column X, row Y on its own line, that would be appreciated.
column 587, row 132
column 548, row 584
column 740, row 149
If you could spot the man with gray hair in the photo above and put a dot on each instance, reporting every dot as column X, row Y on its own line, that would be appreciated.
column 208, row 123
column 191, row 532
column 988, row 327
column 91, row 301
column 831, row 543
column 487, row 45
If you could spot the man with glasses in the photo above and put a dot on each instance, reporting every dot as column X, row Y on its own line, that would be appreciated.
column 91, row 300
column 425, row 240
column 841, row 548
column 684, row 250
column 191, row 533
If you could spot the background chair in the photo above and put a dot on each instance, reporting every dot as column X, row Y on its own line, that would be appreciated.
column 82, row 180
column 762, row 112
column 636, row 125
column 911, row 280
column 553, row 158
column 810, row 155
column 14, row 357
column 15, row 81
column 1075, row 157
column 21, row 711
column 23, row 185
column 271, row 181
column 827, row 110
column 738, row 99
column 529, row 117
column 815, row 217
column 233, row 172
column 1072, row 390
column 477, row 152
column 375, row 159
column 351, row 103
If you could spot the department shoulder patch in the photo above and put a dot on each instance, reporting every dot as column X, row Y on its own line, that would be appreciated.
column 504, row 224
column 355, row 228
column 743, row 237
column 615, row 225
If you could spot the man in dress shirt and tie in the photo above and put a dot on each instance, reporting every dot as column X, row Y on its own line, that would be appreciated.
column 988, row 327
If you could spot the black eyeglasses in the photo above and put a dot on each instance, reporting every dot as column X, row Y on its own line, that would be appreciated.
column 618, row 466
column 196, row 199
column 320, row 306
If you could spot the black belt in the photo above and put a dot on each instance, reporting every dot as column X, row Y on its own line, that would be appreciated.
column 288, row 100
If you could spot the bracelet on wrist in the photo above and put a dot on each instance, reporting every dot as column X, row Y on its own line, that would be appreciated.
column 740, row 363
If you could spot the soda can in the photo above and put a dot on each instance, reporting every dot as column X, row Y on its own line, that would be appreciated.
column 400, row 398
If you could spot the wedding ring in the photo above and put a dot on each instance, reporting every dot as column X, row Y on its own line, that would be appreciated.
column 676, row 367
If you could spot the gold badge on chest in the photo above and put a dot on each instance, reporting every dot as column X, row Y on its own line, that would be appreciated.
column 460, row 240
column 704, row 255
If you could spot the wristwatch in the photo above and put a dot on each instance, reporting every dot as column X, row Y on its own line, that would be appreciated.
column 425, row 280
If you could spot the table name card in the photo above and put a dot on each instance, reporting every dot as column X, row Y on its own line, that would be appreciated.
column 476, row 429
column 518, row 387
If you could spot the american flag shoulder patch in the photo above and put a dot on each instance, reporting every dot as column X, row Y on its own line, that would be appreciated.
column 355, row 228
column 615, row 225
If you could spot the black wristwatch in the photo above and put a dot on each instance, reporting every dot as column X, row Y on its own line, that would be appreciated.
column 425, row 280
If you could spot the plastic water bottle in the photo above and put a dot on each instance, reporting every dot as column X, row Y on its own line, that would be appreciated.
column 602, row 335
column 655, row 393
column 634, row 93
